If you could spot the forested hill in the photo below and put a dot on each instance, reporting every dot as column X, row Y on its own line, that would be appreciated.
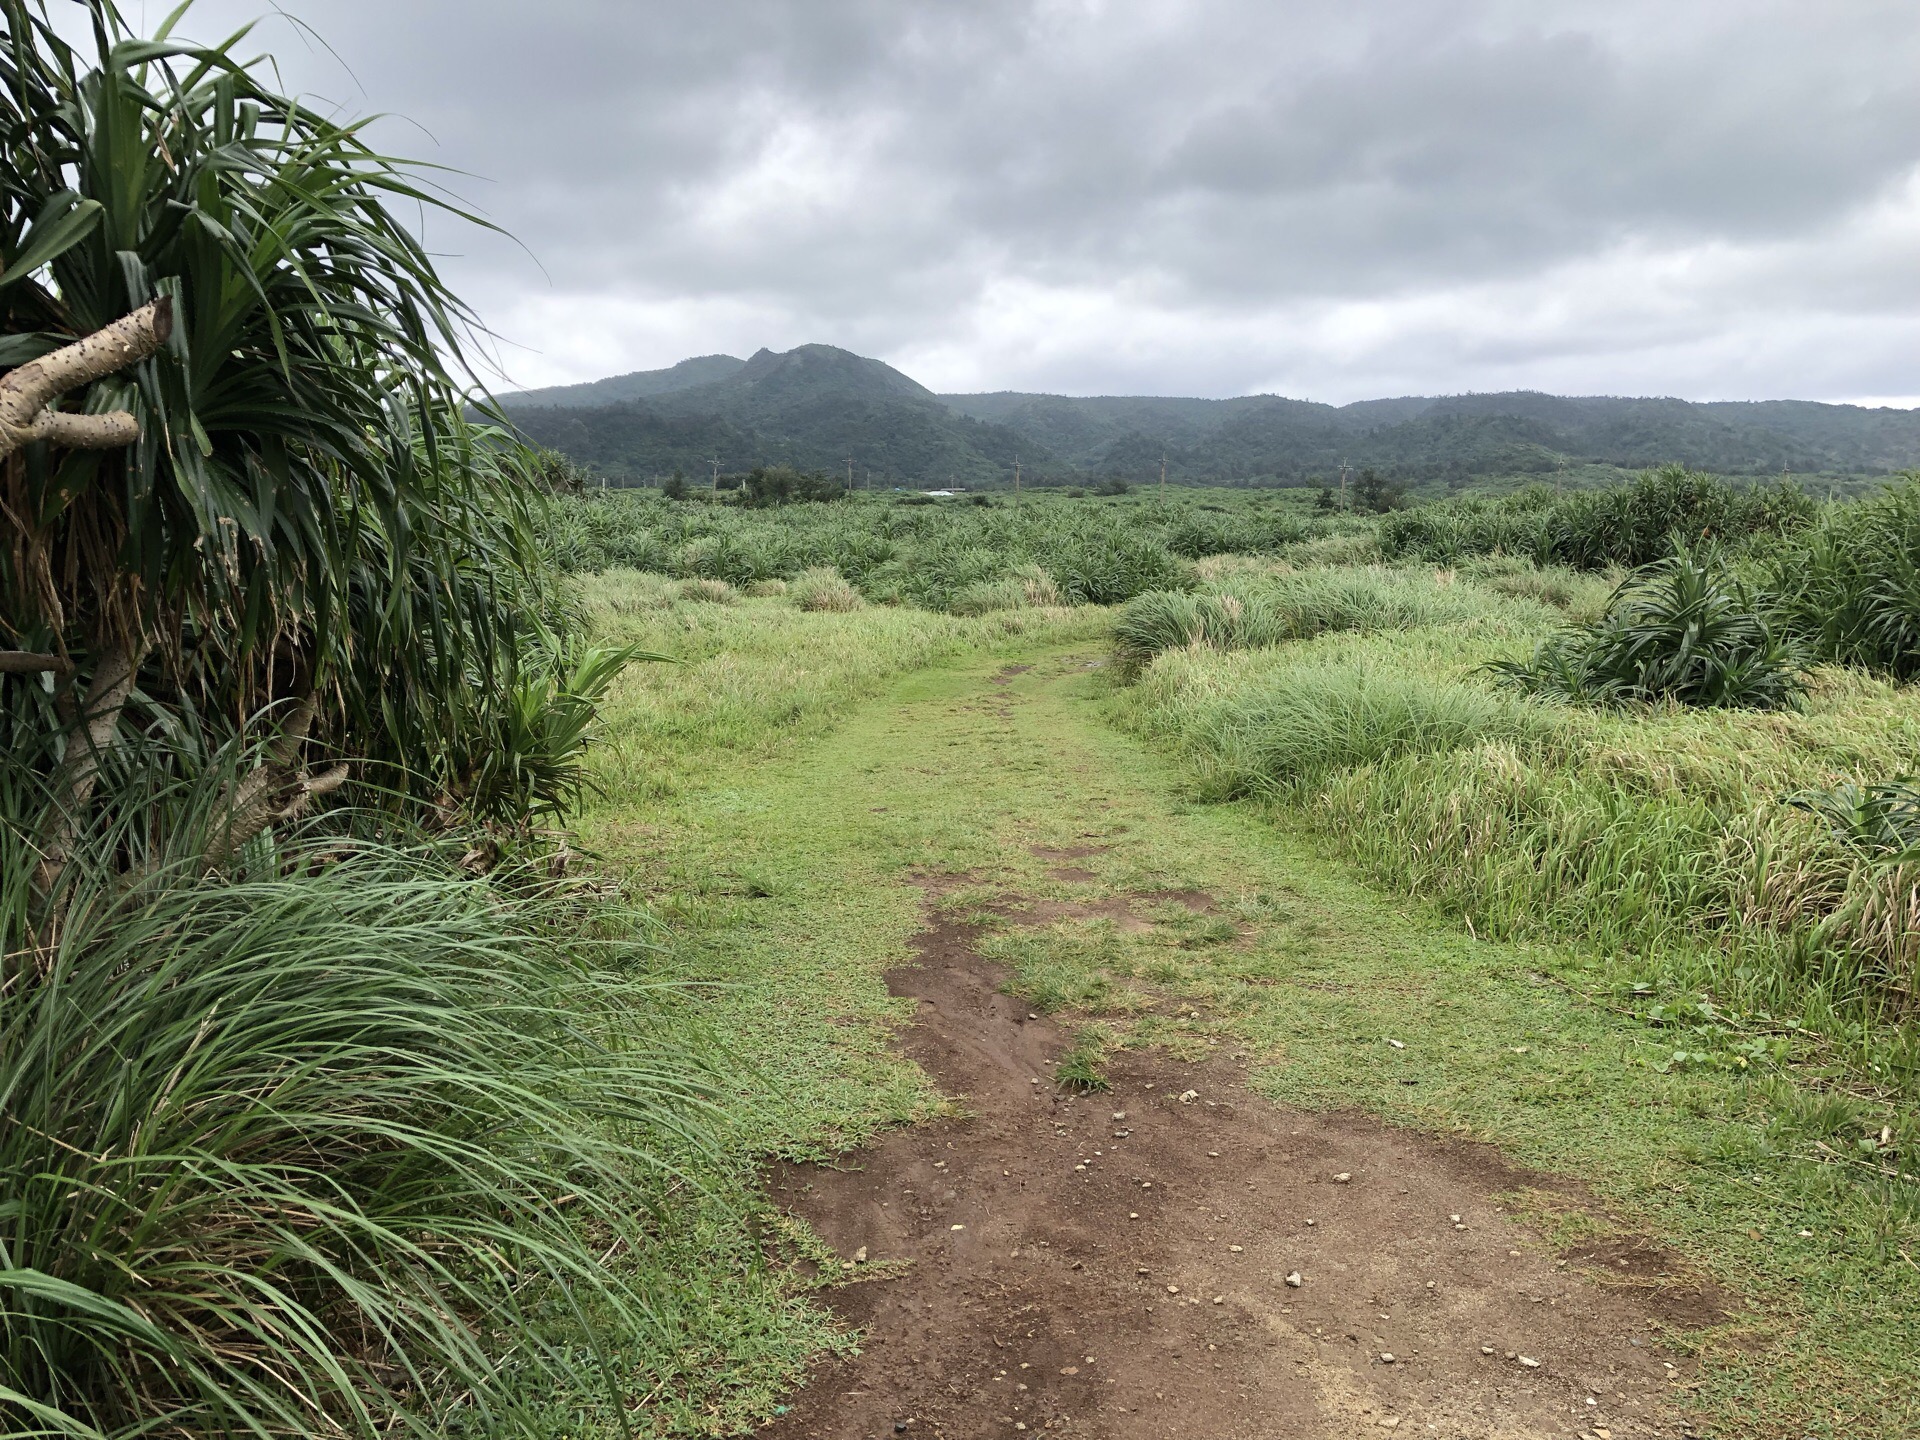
column 818, row 407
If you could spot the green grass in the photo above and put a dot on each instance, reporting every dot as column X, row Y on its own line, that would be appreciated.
column 783, row 863
column 1241, row 613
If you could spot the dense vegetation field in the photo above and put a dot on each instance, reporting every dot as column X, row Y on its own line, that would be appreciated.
column 1686, row 779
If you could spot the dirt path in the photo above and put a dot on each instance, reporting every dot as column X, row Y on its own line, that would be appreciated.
column 1124, row 1264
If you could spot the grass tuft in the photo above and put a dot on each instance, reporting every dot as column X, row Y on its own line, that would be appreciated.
column 1082, row 1066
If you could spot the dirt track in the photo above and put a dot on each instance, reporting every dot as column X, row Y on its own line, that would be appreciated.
column 1117, row 1264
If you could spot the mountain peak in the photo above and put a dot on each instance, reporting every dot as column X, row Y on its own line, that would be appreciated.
column 811, row 370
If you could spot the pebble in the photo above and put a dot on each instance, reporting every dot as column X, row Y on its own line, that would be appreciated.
column 1398, row 1044
column 1119, row 1114
column 860, row 1256
column 1219, row 1299
column 1173, row 1289
column 1133, row 1215
column 1234, row 1249
column 1294, row 1280
column 1343, row 1177
column 1187, row 1097
column 1486, row 1349
column 1529, row 1362
column 958, row 1227
column 1386, row 1357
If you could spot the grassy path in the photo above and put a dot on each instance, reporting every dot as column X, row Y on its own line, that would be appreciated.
column 792, row 882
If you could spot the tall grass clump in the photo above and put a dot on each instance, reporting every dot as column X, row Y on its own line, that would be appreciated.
column 1684, row 630
column 1245, row 615
column 329, row 1146
column 1293, row 724
column 1025, row 587
column 825, row 589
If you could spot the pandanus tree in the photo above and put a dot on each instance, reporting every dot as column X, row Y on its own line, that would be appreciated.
column 239, row 481
column 300, row 1133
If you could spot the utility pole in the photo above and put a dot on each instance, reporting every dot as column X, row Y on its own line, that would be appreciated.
column 1343, row 484
column 1163, row 475
column 716, row 477
column 1016, row 481
column 849, row 474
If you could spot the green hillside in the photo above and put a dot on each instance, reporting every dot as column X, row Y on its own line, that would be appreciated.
column 821, row 408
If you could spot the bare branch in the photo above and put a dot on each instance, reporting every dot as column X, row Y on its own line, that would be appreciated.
column 28, row 389
column 25, row 662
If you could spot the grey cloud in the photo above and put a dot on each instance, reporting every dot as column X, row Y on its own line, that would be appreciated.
column 887, row 174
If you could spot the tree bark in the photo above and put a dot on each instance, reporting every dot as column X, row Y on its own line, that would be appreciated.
column 27, row 390
column 96, row 733
column 275, row 792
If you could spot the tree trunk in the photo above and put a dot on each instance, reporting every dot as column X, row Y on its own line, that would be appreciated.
column 96, row 733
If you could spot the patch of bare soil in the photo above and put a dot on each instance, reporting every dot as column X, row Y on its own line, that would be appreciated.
column 1178, row 1257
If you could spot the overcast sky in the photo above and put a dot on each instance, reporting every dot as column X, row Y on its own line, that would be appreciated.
column 1705, row 198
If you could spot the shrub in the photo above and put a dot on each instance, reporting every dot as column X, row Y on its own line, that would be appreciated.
column 767, row 589
column 1625, row 525
column 1881, row 820
column 1114, row 567
column 526, row 759
column 1684, row 630
column 824, row 588
column 783, row 485
column 1851, row 590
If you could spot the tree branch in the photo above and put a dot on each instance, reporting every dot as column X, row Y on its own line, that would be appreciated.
column 28, row 389
column 25, row 662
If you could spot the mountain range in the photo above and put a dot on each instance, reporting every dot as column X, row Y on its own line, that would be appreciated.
column 818, row 407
